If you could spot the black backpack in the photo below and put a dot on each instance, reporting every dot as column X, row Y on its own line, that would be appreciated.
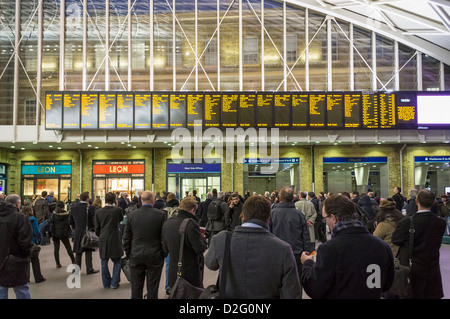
column 214, row 211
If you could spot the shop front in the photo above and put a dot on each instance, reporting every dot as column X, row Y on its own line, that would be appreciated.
column 3, row 179
column 433, row 173
column 118, row 176
column 48, row 176
column 186, row 177
column 362, row 174
column 265, row 174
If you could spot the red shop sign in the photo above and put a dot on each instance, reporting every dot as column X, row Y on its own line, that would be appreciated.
column 118, row 169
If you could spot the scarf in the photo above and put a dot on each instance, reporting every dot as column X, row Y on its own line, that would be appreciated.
column 343, row 225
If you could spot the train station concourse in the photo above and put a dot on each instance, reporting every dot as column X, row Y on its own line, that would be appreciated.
column 235, row 95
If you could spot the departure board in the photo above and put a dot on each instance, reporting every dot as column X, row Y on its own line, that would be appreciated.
column 317, row 109
column 230, row 104
column 166, row 110
column 194, row 103
column 212, row 109
column 142, row 110
column 335, row 110
column 300, row 110
column 406, row 110
column 160, row 111
column 264, row 107
column 89, row 110
column 107, row 110
column 247, row 103
column 352, row 107
column 71, row 111
column 177, row 110
column 282, row 110
column 369, row 108
column 125, row 110
column 53, row 110
column 386, row 110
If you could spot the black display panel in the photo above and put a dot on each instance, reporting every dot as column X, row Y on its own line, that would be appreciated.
column 369, row 109
column 160, row 111
column 282, row 110
column 142, row 110
column 317, row 110
column 335, row 110
column 406, row 110
column 177, row 110
column 89, row 110
column 107, row 110
column 230, row 106
column 352, row 110
column 212, row 109
column 264, row 110
column 53, row 110
column 194, row 103
column 300, row 110
column 246, row 109
column 72, row 111
column 386, row 110
column 125, row 110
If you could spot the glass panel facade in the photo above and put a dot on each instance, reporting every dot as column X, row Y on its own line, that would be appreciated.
column 192, row 45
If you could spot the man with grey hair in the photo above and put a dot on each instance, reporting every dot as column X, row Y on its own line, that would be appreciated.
column 217, row 215
column 411, row 206
column 16, row 237
column 203, row 209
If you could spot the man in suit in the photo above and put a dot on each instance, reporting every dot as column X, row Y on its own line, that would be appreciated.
column 426, row 280
column 107, row 221
column 142, row 244
column 261, row 265
column 81, row 216
column 354, row 264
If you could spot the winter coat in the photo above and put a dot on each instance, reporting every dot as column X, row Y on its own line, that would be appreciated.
column 365, row 203
column 194, row 246
column 78, row 217
column 61, row 225
column 288, row 224
column 16, row 237
column 384, row 231
column 41, row 209
column 106, row 223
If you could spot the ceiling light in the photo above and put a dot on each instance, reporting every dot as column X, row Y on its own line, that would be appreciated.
column 50, row 146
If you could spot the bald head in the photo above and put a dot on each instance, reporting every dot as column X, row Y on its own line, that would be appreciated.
column 147, row 197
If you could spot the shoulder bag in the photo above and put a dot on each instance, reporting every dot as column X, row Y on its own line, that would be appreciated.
column 89, row 241
column 402, row 273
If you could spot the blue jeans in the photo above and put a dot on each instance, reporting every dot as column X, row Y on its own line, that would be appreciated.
column 106, row 275
column 167, row 260
column 22, row 292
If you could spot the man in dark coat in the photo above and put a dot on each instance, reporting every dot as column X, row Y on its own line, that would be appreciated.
column 426, row 280
column 235, row 210
column 290, row 225
column 194, row 244
column 16, row 238
column 353, row 264
column 203, row 210
column 142, row 245
column 81, row 216
column 262, row 266
column 398, row 198
column 106, row 222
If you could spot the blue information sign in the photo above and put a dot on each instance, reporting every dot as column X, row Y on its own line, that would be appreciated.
column 287, row 160
column 427, row 159
column 193, row 168
column 339, row 160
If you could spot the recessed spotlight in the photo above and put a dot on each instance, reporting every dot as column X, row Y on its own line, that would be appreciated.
column 78, row 143
column 50, row 146
column 22, row 148
column 96, row 147
column 59, row 147
column 89, row 145
column 12, row 146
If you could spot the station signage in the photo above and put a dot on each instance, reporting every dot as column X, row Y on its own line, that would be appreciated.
column 118, row 169
column 46, row 169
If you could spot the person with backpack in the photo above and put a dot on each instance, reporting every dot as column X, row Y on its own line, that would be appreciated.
column 172, row 205
column 62, row 232
column 217, row 215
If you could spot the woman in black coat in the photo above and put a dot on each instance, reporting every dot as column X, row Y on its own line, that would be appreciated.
column 60, row 219
column 194, row 244
column 106, row 222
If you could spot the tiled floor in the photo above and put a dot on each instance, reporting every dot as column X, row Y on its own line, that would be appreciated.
column 55, row 287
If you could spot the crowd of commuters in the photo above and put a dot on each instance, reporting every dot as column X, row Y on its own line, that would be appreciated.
column 352, row 232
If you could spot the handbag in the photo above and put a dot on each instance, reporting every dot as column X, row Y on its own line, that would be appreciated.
column 182, row 289
column 89, row 241
column 402, row 273
column 217, row 291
